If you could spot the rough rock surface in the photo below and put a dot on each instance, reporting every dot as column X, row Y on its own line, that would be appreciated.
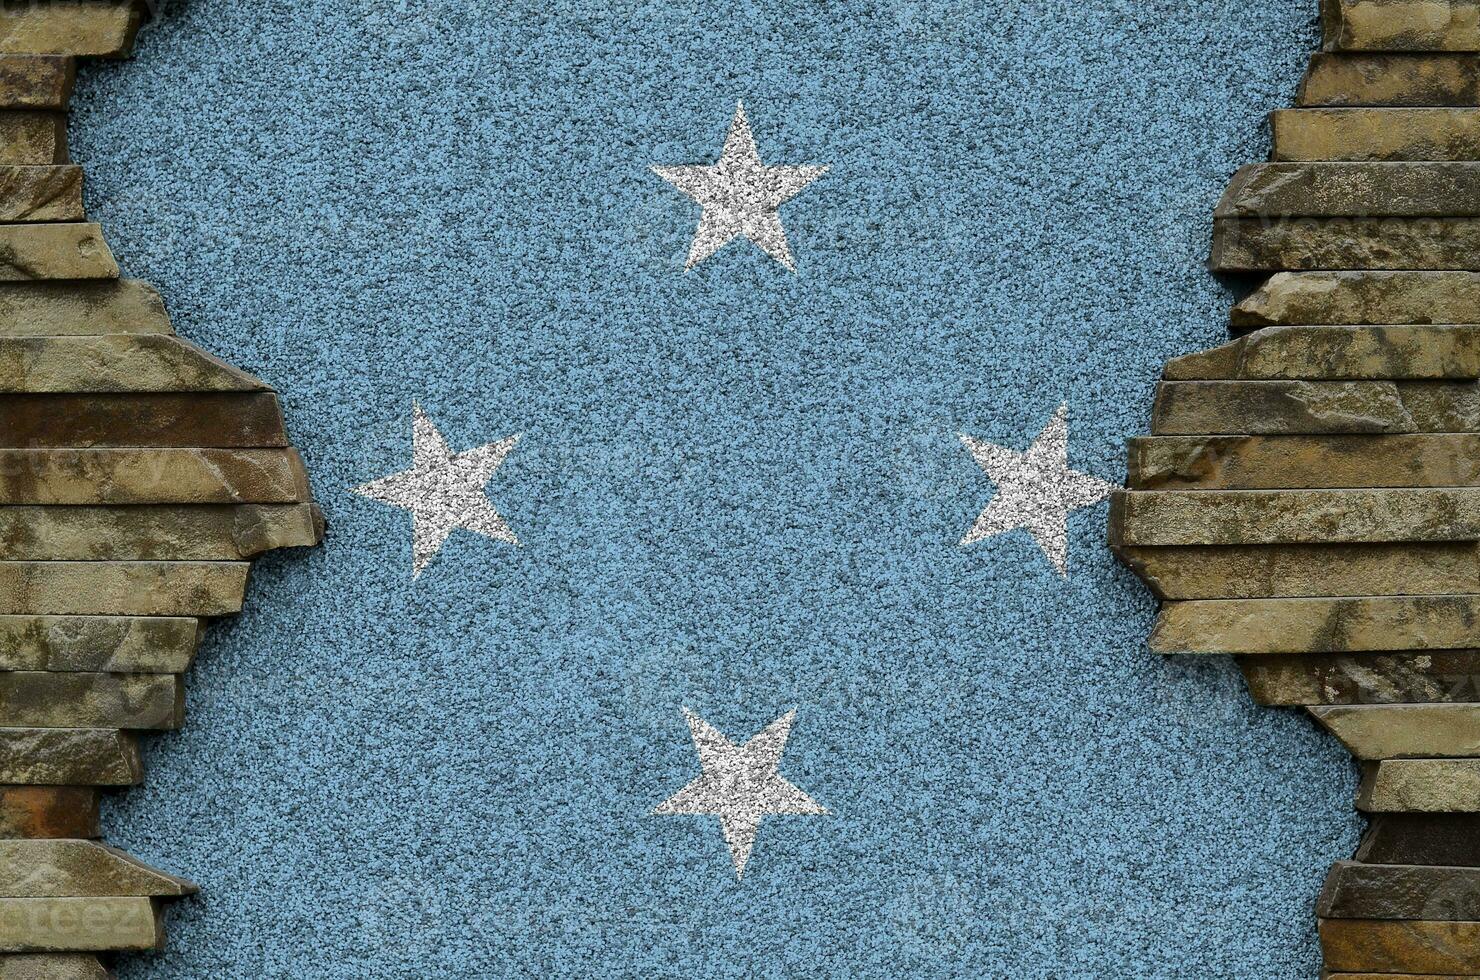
column 138, row 477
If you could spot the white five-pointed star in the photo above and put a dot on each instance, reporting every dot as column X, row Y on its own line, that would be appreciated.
column 1036, row 490
column 740, row 196
column 443, row 490
column 740, row 784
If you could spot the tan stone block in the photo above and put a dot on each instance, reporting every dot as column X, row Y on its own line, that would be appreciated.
column 1353, row 190
column 1395, row 731
column 55, row 251
column 118, row 644
column 1405, row 947
column 40, row 194
column 1434, row 894
column 223, row 420
column 84, row 28
column 1420, row 786
column 109, row 924
column 135, row 702
column 1402, row 946
column 1376, row 134
column 1291, row 680
column 80, row 869
column 69, row 757
column 114, row 363
column 1319, row 625
column 1366, row 79
column 1247, row 517
column 163, row 533
column 58, row 309
column 1376, row 297
column 32, row 138
column 1295, row 462
column 1334, row 353
column 48, row 812
column 1276, row 571
column 1306, row 407
column 151, row 476
column 158, row 588
column 52, row 966
column 36, row 81
column 1247, row 245
column 1400, row 25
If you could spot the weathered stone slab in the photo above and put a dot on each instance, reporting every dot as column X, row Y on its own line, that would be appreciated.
column 1364, row 891
column 1446, row 839
column 1400, row 25
column 118, row 644
column 1290, row 680
column 55, row 251
column 48, row 812
column 1412, row 352
column 151, row 476
column 1244, row 517
column 52, row 966
column 136, row 702
column 1420, row 786
column 1319, row 625
column 1271, row 571
column 99, row 588
column 225, row 420
column 40, row 81
column 1280, row 244
column 1376, row 134
column 1285, row 462
column 1401, row 946
column 1394, row 731
column 30, row 925
column 40, row 194
column 59, row 309
column 107, row 364
column 1334, row 353
column 30, row 138
column 84, row 28
column 1301, row 298
column 1353, row 190
column 164, row 533
column 1372, row 79
column 79, row 869
column 69, row 757
column 1301, row 407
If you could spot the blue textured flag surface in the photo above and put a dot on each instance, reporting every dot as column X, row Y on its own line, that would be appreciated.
column 744, row 589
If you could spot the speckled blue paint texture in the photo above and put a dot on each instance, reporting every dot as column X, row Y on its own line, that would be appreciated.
column 739, row 489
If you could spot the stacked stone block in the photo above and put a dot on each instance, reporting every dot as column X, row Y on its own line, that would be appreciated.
column 139, row 476
column 1309, row 498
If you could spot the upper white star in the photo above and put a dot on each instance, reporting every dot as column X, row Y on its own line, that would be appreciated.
column 443, row 490
column 740, row 196
column 740, row 784
column 1036, row 490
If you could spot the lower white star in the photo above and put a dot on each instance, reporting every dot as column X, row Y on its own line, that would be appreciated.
column 740, row 196
column 739, row 784
column 1036, row 490
column 444, row 491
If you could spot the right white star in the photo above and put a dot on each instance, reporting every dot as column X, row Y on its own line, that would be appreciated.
column 1036, row 490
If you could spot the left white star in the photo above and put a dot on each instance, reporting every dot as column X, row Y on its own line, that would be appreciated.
column 443, row 490
column 1036, row 490
column 740, row 196
column 740, row 784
